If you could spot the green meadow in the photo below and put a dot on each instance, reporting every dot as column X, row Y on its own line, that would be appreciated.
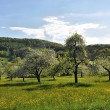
column 91, row 93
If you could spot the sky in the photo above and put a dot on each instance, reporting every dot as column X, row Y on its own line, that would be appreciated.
column 56, row 20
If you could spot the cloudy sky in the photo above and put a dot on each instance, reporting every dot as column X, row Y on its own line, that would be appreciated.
column 56, row 20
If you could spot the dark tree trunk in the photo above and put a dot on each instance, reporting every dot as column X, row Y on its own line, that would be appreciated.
column 76, row 77
column 75, row 74
column 0, row 77
column 23, row 78
column 107, row 71
column 38, row 78
column 11, row 78
column 81, row 74
column 37, row 74
column 53, row 77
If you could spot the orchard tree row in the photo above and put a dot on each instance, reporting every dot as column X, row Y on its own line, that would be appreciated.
column 46, row 62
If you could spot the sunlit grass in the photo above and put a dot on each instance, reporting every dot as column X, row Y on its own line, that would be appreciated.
column 92, row 93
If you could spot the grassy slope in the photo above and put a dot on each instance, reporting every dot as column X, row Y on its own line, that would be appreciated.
column 92, row 93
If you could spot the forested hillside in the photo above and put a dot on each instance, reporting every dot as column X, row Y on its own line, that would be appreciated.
column 18, row 47
column 98, row 50
column 21, row 43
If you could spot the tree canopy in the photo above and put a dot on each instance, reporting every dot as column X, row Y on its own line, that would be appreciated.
column 76, row 48
column 38, row 60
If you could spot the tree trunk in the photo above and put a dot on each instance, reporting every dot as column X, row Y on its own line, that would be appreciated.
column 0, row 77
column 75, row 74
column 76, row 77
column 23, row 78
column 53, row 77
column 11, row 77
column 38, row 78
column 107, row 71
column 81, row 74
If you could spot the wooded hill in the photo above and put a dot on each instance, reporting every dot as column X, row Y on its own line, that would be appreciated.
column 18, row 47
column 98, row 50
column 15, row 43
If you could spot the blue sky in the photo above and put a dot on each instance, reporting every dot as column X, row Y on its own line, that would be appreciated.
column 56, row 20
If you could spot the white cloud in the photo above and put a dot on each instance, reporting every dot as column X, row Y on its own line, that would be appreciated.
column 50, row 19
column 54, row 20
column 31, row 32
column 98, row 40
column 57, row 30
column 105, row 40
column 92, row 40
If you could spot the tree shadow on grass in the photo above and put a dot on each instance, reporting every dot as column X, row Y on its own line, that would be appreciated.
column 106, row 81
column 51, row 80
column 40, row 87
column 52, row 86
column 19, row 84
column 75, row 85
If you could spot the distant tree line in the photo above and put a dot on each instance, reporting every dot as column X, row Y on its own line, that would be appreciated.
column 37, row 58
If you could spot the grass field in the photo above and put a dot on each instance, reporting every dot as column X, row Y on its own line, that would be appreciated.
column 92, row 93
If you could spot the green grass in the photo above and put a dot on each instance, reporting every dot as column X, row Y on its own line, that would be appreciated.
column 92, row 93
